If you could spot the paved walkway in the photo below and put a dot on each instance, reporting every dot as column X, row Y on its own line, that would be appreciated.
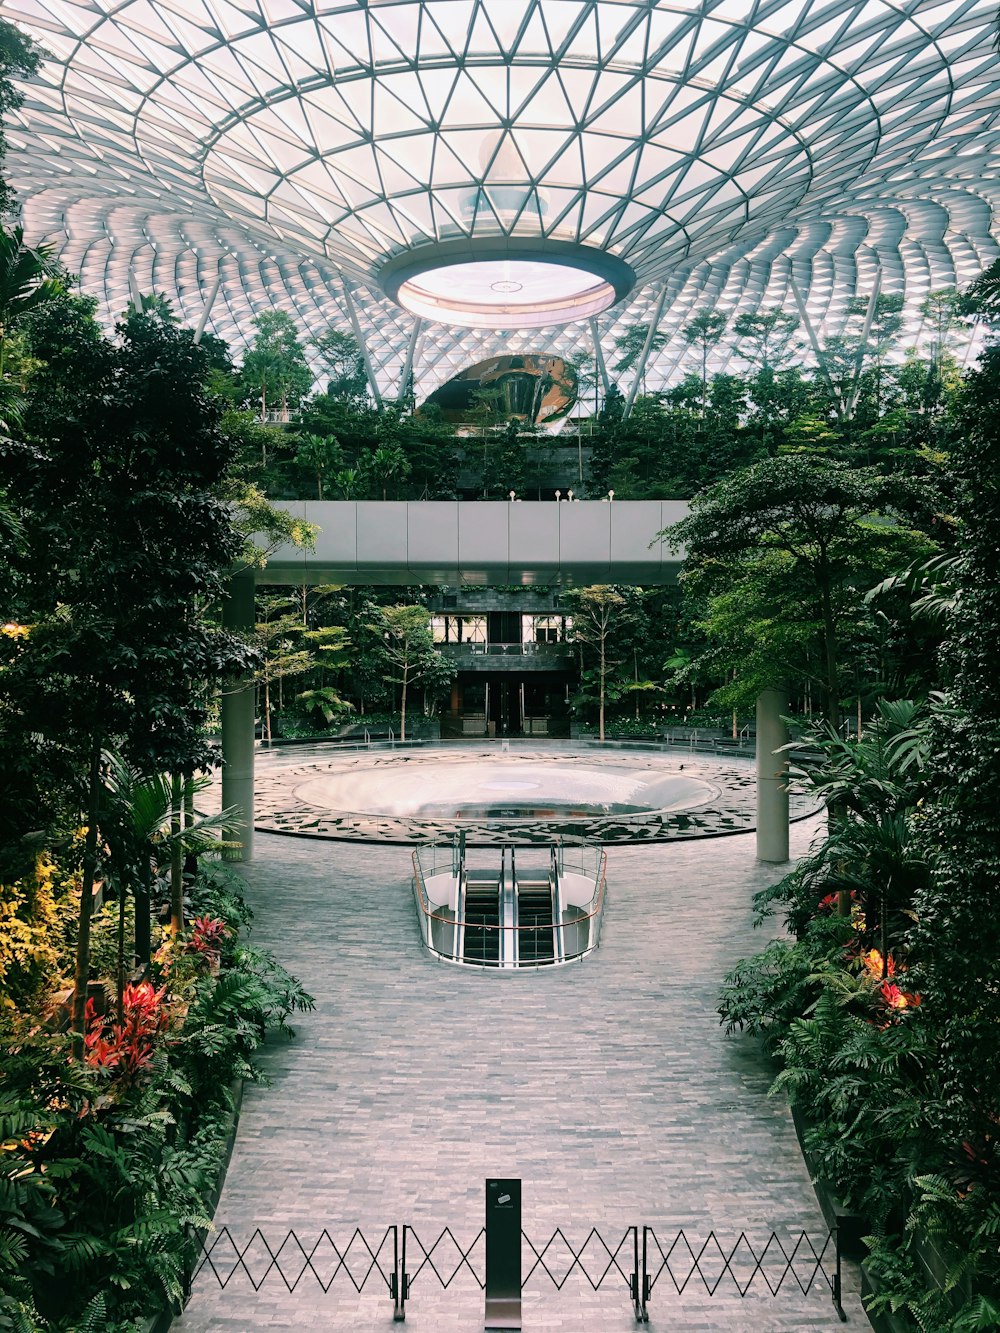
column 607, row 1086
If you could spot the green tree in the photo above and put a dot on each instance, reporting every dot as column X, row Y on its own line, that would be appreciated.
column 598, row 613
column 704, row 332
column 780, row 556
column 19, row 57
column 855, row 359
column 766, row 340
column 321, row 455
column 385, row 465
column 28, row 279
column 341, row 357
column 629, row 345
column 274, row 369
column 407, row 647
column 957, row 932
column 284, row 653
column 127, row 548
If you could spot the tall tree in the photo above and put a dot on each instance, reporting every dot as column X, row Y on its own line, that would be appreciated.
column 404, row 633
column 704, row 332
column 597, row 615
column 780, row 556
column 19, row 57
column 274, row 369
column 957, row 932
column 766, row 339
column 127, row 548
column 341, row 357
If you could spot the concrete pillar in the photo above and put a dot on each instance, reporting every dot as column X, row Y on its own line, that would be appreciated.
column 238, row 725
column 772, row 776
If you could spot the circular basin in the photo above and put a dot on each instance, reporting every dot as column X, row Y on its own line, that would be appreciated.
column 505, row 789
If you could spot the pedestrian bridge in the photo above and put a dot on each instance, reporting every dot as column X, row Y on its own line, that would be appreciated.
column 457, row 542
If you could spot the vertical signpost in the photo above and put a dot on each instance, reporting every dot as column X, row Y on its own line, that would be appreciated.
column 503, row 1255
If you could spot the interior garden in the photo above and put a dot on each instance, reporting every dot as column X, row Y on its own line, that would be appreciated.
column 842, row 544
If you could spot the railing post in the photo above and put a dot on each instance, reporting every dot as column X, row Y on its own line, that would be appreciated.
column 636, row 1277
column 837, row 1288
column 401, row 1281
column 646, row 1284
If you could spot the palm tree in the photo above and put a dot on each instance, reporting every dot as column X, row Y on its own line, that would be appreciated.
column 872, row 786
column 28, row 278
column 140, row 833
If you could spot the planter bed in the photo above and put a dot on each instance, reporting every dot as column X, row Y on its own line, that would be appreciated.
column 851, row 1227
column 161, row 1322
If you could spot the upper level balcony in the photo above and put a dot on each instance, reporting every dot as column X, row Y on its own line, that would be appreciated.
column 509, row 656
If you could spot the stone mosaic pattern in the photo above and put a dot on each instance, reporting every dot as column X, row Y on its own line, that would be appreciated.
column 279, row 809
column 610, row 1089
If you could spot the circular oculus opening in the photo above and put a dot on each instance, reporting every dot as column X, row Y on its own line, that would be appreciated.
column 506, row 294
column 513, row 284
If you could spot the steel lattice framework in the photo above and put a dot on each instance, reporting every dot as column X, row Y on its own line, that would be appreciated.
column 729, row 151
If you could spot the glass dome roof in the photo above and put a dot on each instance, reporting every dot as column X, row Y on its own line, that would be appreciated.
column 293, row 148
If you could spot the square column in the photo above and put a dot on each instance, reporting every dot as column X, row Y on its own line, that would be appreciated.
column 238, row 613
column 772, row 777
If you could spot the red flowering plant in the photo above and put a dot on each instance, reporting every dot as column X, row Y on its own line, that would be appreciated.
column 890, row 998
column 208, row 935
column 126, row 1049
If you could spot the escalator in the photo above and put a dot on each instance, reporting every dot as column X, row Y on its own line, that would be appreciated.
column 534, row 918
column 482, row 920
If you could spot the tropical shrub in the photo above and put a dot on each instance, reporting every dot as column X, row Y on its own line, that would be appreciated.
column 105, row 1163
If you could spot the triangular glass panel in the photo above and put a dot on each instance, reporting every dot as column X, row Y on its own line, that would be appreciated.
column 671, row 37
column 317, row 178
column 623, row 116
column 584, row 43
column 617, row 180
column 483, row 40
column 304, row 40
column 358, row 164
column 534, row 41
column 229, row 20
column 406, row 86
column 599, row 151
column 391, row 116
column 437, row 85
column 431, row 44
column 448, row 169
column 414, row 153
column 491, row 80
column 329, row 134
column 657, row 161
column 560, row 17
column 579, row 86
column 538, row 148
column 547, row 104
column 453, row 19
column 467, row 105
column 395, row 179
column 356, row 95
column 416, row 209
column 614, row 24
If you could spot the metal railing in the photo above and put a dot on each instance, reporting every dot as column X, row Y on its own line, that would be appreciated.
column 572, row 939
column 640, row 1261
column 292, row 1261
column 474, row 649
